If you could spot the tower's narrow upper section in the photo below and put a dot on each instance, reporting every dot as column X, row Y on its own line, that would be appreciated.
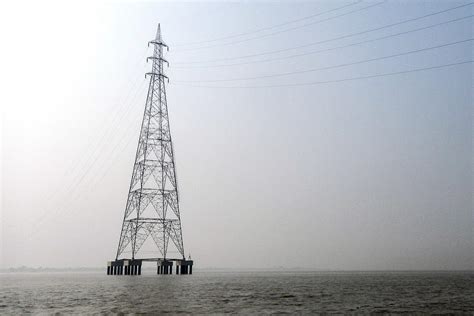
column 158, row 39
column 158, row 60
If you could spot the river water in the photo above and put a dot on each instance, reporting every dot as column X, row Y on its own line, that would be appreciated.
column 246, row 292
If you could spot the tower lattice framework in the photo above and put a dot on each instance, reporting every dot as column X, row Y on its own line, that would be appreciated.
column 152, row 209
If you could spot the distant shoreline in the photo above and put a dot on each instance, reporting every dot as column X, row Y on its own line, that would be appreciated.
column 25, row 269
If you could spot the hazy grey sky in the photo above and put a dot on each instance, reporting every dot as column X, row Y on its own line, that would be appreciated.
column 365, row 174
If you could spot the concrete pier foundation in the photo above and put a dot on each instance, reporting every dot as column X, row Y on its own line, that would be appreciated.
column 184, row 267
column 115, row 267
column 134, row 266
column 164, row 267
column 124, row 266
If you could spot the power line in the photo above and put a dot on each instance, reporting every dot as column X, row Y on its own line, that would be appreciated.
column 91, row 159
column 286, row 30
column 327, row 40
column 328, row 49
column 332, row 67
column 124, row 108
column 74, row 164
column 268, row 27
column 72, row 189
column 336, row 81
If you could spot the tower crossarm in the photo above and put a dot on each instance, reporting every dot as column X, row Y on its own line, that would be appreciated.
column 157, row 74
column 158, row 59
column 161, row 43
column 153, row 191
column 151, row 220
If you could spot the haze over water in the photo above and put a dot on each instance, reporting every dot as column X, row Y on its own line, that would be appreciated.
column 320, row 177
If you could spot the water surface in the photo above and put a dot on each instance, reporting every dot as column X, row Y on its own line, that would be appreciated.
column 247, row 292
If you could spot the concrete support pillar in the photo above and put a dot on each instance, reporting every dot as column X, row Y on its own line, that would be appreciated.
column 164, row 267
column 124, row 267
column 184, row 267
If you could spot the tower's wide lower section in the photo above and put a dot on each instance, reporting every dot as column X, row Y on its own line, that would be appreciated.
column 164, row 266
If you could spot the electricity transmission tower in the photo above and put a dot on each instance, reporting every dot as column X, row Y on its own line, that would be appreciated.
column 152, row 208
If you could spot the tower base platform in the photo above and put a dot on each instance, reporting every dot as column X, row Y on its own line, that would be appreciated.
column 134, row 266
column 124, row 267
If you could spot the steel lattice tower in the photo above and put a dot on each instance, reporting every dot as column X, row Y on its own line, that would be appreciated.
column 153, row 184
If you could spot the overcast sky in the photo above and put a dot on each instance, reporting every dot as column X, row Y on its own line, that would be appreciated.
column 362, row 174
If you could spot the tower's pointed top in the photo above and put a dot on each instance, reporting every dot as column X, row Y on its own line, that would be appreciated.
column 158, row 39
column 158, row 33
